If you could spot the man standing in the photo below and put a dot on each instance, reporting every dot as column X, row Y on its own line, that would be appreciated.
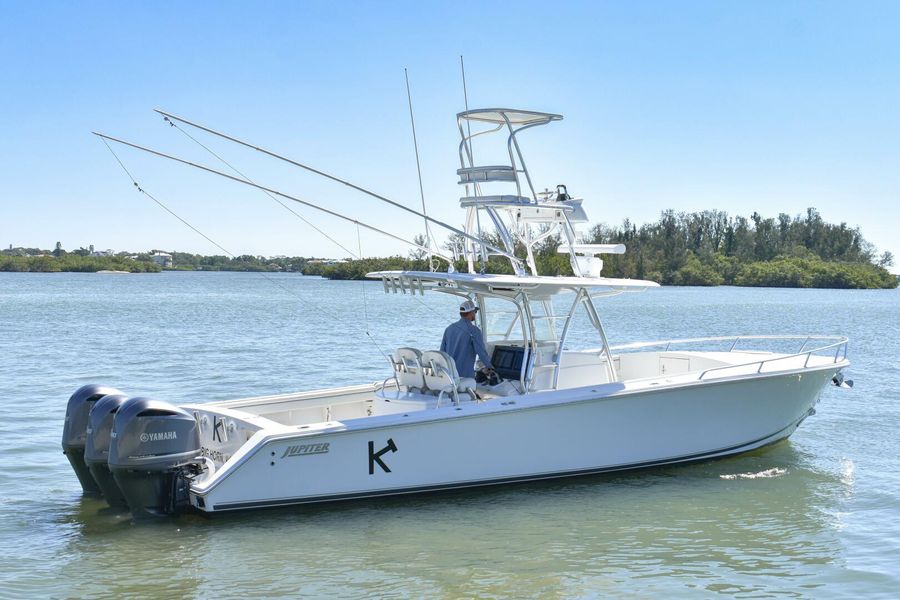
column 463, row 341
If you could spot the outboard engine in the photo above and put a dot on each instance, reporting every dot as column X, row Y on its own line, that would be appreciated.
column 153, row 456
column 75, row 431
column 96, row 447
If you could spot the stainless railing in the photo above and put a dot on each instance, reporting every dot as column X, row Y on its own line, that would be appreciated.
column 828, row 343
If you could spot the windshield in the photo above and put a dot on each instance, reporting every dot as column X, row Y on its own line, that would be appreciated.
column 501, row 321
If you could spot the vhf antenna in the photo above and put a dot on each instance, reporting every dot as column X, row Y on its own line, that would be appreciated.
column 412, row 121
column 462, row 67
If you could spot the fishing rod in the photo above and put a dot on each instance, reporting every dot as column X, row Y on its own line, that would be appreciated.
column 516, row 260
column 269, row 190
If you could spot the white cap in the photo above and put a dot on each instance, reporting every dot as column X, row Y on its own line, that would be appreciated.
column 467, row 307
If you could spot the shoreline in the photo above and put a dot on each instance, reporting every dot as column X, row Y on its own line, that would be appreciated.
column 338, row 279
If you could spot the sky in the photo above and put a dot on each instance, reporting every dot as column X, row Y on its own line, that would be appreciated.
column 765, row 106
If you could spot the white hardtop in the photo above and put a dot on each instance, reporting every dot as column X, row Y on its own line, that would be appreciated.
column 505, row 285
column 511, row 116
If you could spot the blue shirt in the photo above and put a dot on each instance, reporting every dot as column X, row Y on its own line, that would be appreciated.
column 463, row 341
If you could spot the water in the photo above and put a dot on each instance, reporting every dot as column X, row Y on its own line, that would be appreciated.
column 817, row 516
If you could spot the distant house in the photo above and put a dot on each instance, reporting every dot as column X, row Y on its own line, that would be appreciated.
column 327, row 261
column 163, row 259
column 102, row 252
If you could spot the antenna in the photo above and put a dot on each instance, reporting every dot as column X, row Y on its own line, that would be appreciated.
column 412, row 122
column 462, row 67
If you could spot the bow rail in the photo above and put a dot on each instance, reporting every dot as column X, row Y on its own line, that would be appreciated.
column 837, row 344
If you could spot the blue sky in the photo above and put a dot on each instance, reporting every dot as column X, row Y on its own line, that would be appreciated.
column 763, row 106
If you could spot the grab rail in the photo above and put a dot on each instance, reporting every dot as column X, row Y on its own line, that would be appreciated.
column 838, row 344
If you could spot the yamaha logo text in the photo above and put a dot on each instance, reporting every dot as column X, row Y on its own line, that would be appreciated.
column 159, row 437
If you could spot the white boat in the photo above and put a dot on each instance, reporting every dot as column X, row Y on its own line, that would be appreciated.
column 560, row 411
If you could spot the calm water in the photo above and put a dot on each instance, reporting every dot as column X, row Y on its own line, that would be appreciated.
column 818, row 516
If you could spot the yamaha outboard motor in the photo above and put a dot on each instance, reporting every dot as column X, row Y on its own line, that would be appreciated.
column 96, row 447
column 153, row 456
column 75, row 431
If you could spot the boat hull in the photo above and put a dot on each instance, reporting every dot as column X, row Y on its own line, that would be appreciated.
column 557, row 434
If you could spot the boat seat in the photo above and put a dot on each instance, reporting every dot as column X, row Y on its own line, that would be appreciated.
column 442, row 376
column 408, row 369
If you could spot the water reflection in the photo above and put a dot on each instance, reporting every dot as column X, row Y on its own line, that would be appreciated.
column 567, row 538
column 826, row 516
column 111, row 556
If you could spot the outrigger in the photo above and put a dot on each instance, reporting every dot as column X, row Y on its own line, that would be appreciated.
column 568, row 404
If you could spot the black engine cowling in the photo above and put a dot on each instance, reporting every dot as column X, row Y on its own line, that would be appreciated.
column 96, row 447
column 75, row 431
column 154, row 451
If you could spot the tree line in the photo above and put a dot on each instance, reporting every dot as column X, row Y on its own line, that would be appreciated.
column 699, row 248
column 35, row 260
column 713, row 248
column 247, row 262
column 38, row 260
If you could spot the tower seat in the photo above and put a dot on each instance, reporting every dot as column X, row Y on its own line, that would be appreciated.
column 486, row 174
column 494, row 201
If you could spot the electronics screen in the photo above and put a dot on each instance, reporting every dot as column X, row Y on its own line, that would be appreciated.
column 507, row 361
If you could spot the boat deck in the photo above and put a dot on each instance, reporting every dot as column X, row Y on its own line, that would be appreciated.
column 635, row 371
